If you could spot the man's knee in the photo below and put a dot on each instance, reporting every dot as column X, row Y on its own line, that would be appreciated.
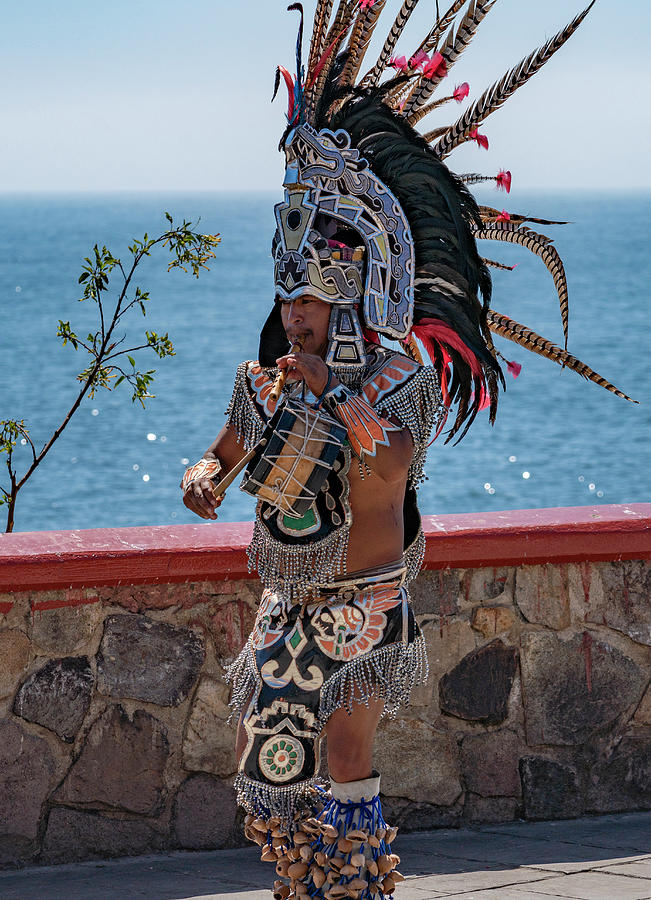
column 350, row 742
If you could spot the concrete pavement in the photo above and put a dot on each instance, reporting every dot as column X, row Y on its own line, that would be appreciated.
column 601, row 858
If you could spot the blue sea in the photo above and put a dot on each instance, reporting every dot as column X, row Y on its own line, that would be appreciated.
column 558, row 440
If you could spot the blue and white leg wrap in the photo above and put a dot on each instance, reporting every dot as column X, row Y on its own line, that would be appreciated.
column 351, row 846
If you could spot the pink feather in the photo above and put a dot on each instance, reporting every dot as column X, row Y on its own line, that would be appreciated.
column 461, row 91
column 482, row 140
column 399, row 62
column 514, row 368
column 418, row 59
column 436, row 67
column 504, row 180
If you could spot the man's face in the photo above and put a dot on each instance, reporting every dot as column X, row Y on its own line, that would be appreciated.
column 307, row 319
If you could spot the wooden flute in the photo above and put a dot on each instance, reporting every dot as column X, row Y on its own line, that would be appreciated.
column 279, row 383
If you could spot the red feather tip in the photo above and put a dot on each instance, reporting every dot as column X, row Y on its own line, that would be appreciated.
column 399, row 62
column 484, row 400
column 436, row 67
column 503, row 217
column 514, row 368
column 503, row 180
column 482, row 140
column 289, row 81
column 461, row 91
column 366, row 4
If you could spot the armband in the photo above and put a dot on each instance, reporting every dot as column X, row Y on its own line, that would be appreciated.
column 205, row 468
column 366, row 429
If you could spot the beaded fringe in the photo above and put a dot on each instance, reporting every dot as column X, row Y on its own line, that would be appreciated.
column 389, row 673
column 288, row 803
column 243, row 675
column 242, row 415
column 293, row 569
column 414, row 556
column 419, row 406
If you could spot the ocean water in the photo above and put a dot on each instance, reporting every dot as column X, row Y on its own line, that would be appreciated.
column 558, row 440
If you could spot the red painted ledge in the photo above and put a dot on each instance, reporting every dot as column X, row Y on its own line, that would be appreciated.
column 43, row 560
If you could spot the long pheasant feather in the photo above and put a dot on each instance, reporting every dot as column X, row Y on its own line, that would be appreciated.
column 493, row 263
column 334, row 39
column 317, row 45
column 396, row 97
column 435, row 133
column 452, row 50
column 426, row 110
column 499, row 92
column 373, row 76
column 476, row 178
column 540, row 245
column 489, row 214
column 525, row 337
column 359, row 40
column 431, row 39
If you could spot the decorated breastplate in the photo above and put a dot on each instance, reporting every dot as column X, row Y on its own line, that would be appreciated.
column 291, row 553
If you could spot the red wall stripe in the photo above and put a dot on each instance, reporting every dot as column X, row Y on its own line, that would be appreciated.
column 43, row 560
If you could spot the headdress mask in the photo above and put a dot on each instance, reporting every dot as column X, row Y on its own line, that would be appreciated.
column 359, row 175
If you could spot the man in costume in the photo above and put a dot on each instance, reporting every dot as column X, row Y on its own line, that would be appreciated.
column 375, row 239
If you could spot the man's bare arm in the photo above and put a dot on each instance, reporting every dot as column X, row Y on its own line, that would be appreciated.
column 390, row 461
column 199, row 496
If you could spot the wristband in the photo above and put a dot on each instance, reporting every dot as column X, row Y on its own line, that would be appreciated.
column 366, row 429
column 205, row 468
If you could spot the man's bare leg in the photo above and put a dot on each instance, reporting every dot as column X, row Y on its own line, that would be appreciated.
column 350, row 741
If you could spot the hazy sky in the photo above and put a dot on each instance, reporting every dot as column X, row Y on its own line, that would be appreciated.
column 157, row 94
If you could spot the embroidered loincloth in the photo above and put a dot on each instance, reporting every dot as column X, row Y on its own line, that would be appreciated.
column 354, row 641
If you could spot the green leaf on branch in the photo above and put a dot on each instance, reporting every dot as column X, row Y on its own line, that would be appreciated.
column 67, row 335
column 161, row 345
column 11, row 430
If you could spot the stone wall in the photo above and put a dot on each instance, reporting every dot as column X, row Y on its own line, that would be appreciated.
column 113, row 708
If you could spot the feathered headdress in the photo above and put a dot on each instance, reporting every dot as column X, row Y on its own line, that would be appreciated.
column 370, row 122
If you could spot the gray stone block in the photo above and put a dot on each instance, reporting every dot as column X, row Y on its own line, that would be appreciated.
column 73, row 835
column 409, row 816
column 120, row 766
column 205, row 811
column 542, row 595
column 489, row 809
column 57, row 696
column 401, row 747
column 549, row 789
column 146, row 660
column 573, row 688
column 624, row 602
column 64, row 628
column 27, row 769
column 15, row 653
column 490, row 764
column 621, row 781
column 209, row 742
column 436, row 593
column 478, row 687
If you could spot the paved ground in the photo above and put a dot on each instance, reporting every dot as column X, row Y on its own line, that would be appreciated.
column 606, row 857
